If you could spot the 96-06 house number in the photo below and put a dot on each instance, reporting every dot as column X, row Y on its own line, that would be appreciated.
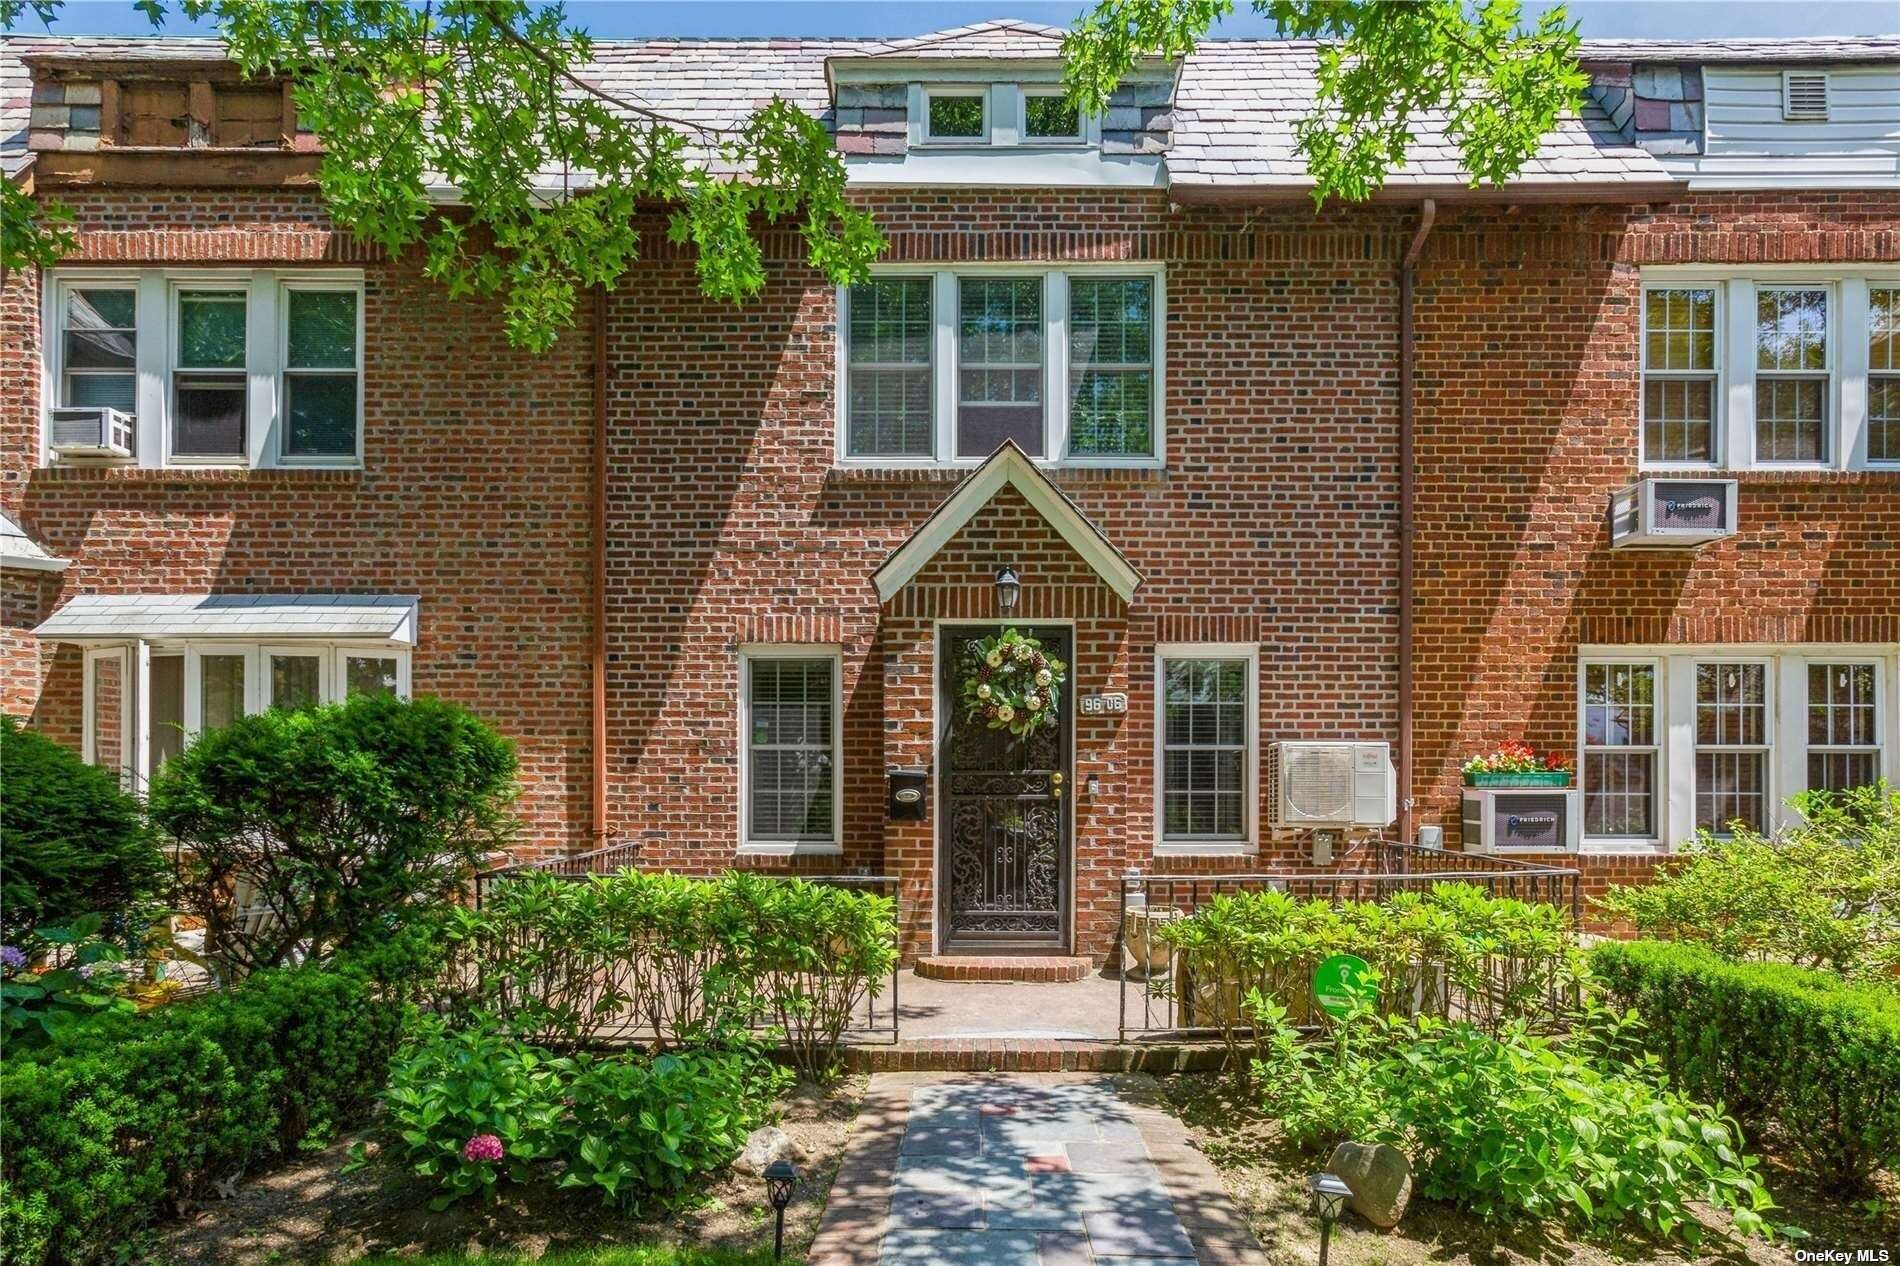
column 1103, row 705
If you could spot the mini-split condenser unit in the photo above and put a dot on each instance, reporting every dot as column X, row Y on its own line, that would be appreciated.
column 1672, row 513
column 1332, row 785
column 1521, row 820
column 90, row 432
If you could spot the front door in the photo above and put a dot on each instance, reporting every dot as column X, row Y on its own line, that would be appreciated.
column 1003, row 848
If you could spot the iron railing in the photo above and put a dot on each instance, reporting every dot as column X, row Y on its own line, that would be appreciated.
column 874, row 1019
column 1371, row 872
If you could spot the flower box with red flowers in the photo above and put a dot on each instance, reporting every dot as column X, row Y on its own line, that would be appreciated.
column 1516, row 764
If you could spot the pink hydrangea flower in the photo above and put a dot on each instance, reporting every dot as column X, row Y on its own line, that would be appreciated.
column 483, row 1147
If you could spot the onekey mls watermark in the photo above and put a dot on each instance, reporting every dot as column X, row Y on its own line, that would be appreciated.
column 1844, row 1256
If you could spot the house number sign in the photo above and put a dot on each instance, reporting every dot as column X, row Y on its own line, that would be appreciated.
column 1104, row 705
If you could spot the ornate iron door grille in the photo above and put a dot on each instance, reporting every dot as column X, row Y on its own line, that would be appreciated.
column 1004, row 852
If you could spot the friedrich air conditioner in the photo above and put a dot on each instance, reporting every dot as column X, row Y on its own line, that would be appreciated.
column 1672, row 513
column 91, row 432
column 1521, row 820
column 1338, row 785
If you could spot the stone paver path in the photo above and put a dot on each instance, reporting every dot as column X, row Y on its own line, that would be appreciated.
column 1028, row 1169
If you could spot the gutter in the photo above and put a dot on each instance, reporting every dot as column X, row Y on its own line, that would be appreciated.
column 1408, row 494
column 597, row 586
column 1623, row 192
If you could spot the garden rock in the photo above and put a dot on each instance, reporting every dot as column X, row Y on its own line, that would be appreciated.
column 1380, row 1178
column 765, row 1145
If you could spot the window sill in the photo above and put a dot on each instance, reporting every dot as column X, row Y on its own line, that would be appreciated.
column 197, row 474
column 1623, row 848
column 780, row 849
column 1746, row 475
column 920, row 473
column 1206, row 848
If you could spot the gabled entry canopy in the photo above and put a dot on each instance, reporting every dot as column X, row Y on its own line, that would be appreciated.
column 1010, row 466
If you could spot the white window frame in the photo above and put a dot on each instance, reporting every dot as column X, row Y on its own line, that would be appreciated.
column 1881, row 742
column 1717, row 446
column 60, row 309
column 174, row 325
column 1830, row 387
column 330, row 653
column 1056, row 368
column 1848, row 372
column 1766, row 749
column 1249, row 843
column 266, row 345
column 1088, row 125
column 1865, row 439
column 1656, row 747
column 1787, row 764
column 89, row 739
column 922, row 94
column 748, row 655
column 283, row 456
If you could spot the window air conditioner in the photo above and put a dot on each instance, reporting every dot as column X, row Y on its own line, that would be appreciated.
column 1522, row 820
column 91, row 432
column 1672, row 513
column 1338, row 785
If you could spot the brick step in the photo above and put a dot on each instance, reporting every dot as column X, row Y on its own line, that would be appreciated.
column 1033, row 1055
column 1028, row 968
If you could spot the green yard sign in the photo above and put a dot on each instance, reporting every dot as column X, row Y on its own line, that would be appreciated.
column 1341, row 980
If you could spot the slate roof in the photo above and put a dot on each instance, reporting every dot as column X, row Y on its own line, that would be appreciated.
column 1234, row 110
column 18, row 549
column 1819, row 48
column 350, row 617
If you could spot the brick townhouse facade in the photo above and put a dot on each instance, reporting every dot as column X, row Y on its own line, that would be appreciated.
column 1121, row 362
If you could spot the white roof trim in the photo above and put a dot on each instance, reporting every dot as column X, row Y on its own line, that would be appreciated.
column 20, row 551
column 119, row 617
column 1007, row 465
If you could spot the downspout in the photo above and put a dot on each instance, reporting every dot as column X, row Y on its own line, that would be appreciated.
column 598, row 569
column 1408, row 491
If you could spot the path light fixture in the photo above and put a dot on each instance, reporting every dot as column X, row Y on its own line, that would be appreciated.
column 1008, row 589
column 780, row 1177
column 1329, row 1198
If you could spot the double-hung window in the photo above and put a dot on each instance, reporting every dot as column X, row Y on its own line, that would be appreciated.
column 1732, row 744
column 1844, row 747
column 216, row 367
column 1792, row 378
column 942, row 367
column 1207, row 738
column 790, row 750
column 1679, row 375
column 1883, row 374
column 1619, row 750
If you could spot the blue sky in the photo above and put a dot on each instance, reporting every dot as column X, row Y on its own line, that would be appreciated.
column 620, row 18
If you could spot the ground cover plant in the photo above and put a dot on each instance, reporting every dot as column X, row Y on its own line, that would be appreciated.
column 1824, row 893
column 1803, row 1058
column 673, row 958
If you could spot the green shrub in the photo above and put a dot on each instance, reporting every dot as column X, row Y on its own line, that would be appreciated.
column 113, row 1120
column 687, row 959
column 1452, row 951
column 38, row 1000
column 1789, row 1049
column 1825, row 893
column 1513, row 1125
column 473, row 1107
column 337, row 819
column 75, row 843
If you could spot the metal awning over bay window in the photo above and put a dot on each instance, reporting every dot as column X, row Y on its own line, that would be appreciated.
column 162, row 668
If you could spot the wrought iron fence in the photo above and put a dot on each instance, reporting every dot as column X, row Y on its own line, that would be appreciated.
column 873, row 1018
column 1372, row 872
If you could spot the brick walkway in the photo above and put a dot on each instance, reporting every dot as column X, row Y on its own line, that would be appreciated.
column 1030, row 1169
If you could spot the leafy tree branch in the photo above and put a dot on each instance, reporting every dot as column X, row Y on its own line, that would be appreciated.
column 488, row 106
column 1385, row 66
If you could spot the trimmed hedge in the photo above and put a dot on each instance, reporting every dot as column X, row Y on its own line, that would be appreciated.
column 116, row 1120
column 1792, row 1049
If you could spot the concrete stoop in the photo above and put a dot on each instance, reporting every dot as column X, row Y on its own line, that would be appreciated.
column 1033, row 1055
column 1022, row 969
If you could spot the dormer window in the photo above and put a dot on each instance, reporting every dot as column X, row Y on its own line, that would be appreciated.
column 1049, row 116
column 957, row 115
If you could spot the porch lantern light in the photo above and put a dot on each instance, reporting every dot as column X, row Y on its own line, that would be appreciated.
column 1330, row 1193
column 1008, row 589
column 780, row 1177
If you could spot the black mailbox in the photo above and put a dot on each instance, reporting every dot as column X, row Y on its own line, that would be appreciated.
column 909, row 795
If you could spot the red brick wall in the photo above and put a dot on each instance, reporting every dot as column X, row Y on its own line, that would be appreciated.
column 1275, row 521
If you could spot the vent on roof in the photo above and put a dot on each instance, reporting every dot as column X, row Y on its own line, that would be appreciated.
column 1804, row 94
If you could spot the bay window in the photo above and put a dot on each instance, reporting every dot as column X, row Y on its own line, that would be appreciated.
column 1673, row 740
column 1776, row 366
column 217, row 367
column 941, row 367
column 791, row 746
column 1207, row 740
